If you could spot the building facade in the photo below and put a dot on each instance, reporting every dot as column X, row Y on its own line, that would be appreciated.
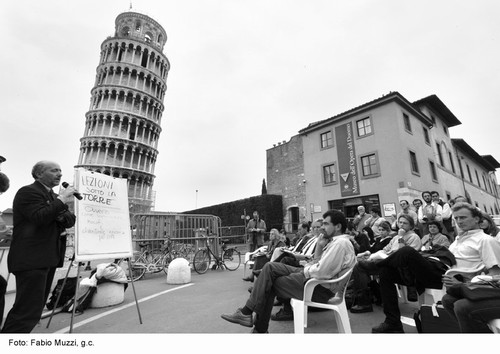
column 378, row 154
column 123, row 124
column 285, row 177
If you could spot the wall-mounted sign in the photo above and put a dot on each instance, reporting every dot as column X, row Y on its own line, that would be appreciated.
column 347, row 164
column 389, row 209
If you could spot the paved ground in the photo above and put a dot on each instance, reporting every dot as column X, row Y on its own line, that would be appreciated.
column 193, row 308
column 188, row 317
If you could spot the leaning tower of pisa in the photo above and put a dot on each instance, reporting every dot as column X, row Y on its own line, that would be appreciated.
column 123, row 124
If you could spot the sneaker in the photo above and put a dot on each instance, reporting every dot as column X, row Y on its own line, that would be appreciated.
column 240, row 318
column 361, row 308
column 281, row 315
column 387, row 328
column 249, row 278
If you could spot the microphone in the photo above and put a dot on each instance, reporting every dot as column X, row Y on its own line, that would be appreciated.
column 76, row 194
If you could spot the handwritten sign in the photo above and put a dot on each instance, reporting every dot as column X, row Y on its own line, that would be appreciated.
column 102, row 227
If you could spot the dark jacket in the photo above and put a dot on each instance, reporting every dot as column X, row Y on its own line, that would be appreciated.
column 379, row 244
column 259, row 224
column 39, row 219
column 442, row 253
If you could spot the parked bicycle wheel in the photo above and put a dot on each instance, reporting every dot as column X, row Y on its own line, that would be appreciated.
column 201, row 261
column 138, row 269
column 232, row 258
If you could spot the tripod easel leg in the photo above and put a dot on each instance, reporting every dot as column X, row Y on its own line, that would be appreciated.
column 60, row 292
column 133, row 289
column 75, row 302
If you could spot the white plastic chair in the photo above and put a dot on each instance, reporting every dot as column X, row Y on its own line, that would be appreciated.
column 428, row 297
column 247, row 262
column 431, row 296
column 494, row 325
column 336, row 304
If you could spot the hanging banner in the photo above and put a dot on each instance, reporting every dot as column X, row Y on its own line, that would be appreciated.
column 102, row 227
column 347, row 164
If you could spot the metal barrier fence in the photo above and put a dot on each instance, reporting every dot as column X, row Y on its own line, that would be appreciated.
column 155, row 227
column 235, row 234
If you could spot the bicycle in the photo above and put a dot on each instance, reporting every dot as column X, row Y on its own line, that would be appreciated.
column 230, row 258
column 148, row 262
column 177, row 249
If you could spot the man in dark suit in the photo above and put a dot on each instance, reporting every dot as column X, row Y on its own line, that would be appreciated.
column 37, row 248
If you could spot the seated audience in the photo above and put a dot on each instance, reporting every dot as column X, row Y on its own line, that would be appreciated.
column 287, row 239
column 306, row 253
column 471, row 250
column 374, row 220
column 360, row 240
column 364, row 288
column 334, row 256
column 276, row 240
column 368, row 262
column 405, row 209
column 365, row 238
column 473, row 316
column 301, row 233
column 434, row 237
column 488, row 225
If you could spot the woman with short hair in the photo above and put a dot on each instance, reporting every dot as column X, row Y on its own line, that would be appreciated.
column 434, row 237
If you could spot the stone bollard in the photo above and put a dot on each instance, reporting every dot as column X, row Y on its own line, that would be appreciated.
column 179, row 272
column 108, row 294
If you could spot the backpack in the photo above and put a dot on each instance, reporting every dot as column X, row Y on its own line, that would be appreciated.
column 83, row 302
column 67, row 292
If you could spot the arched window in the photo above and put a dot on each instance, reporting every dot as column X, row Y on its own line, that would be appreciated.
column 125, row 31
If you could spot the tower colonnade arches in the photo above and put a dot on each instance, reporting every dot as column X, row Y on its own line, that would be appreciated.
column 133, row 52
column 131, row 76
column 126, row 100
column 119, row 154
column 121, row 126
column 123, row 123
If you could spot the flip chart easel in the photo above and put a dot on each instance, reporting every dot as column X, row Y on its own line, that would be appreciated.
column 102, row 228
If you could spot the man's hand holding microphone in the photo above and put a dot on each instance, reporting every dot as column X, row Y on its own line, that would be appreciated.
column 67, row 194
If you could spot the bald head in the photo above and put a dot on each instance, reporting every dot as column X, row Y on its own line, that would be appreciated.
column 47, row 172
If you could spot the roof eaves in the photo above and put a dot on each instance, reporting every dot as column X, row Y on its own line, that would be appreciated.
column 492, row 161
column 439, row 107
column 462, row 144
column 394, row 95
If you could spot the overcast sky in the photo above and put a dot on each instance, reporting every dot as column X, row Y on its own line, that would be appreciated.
column 244, row 75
